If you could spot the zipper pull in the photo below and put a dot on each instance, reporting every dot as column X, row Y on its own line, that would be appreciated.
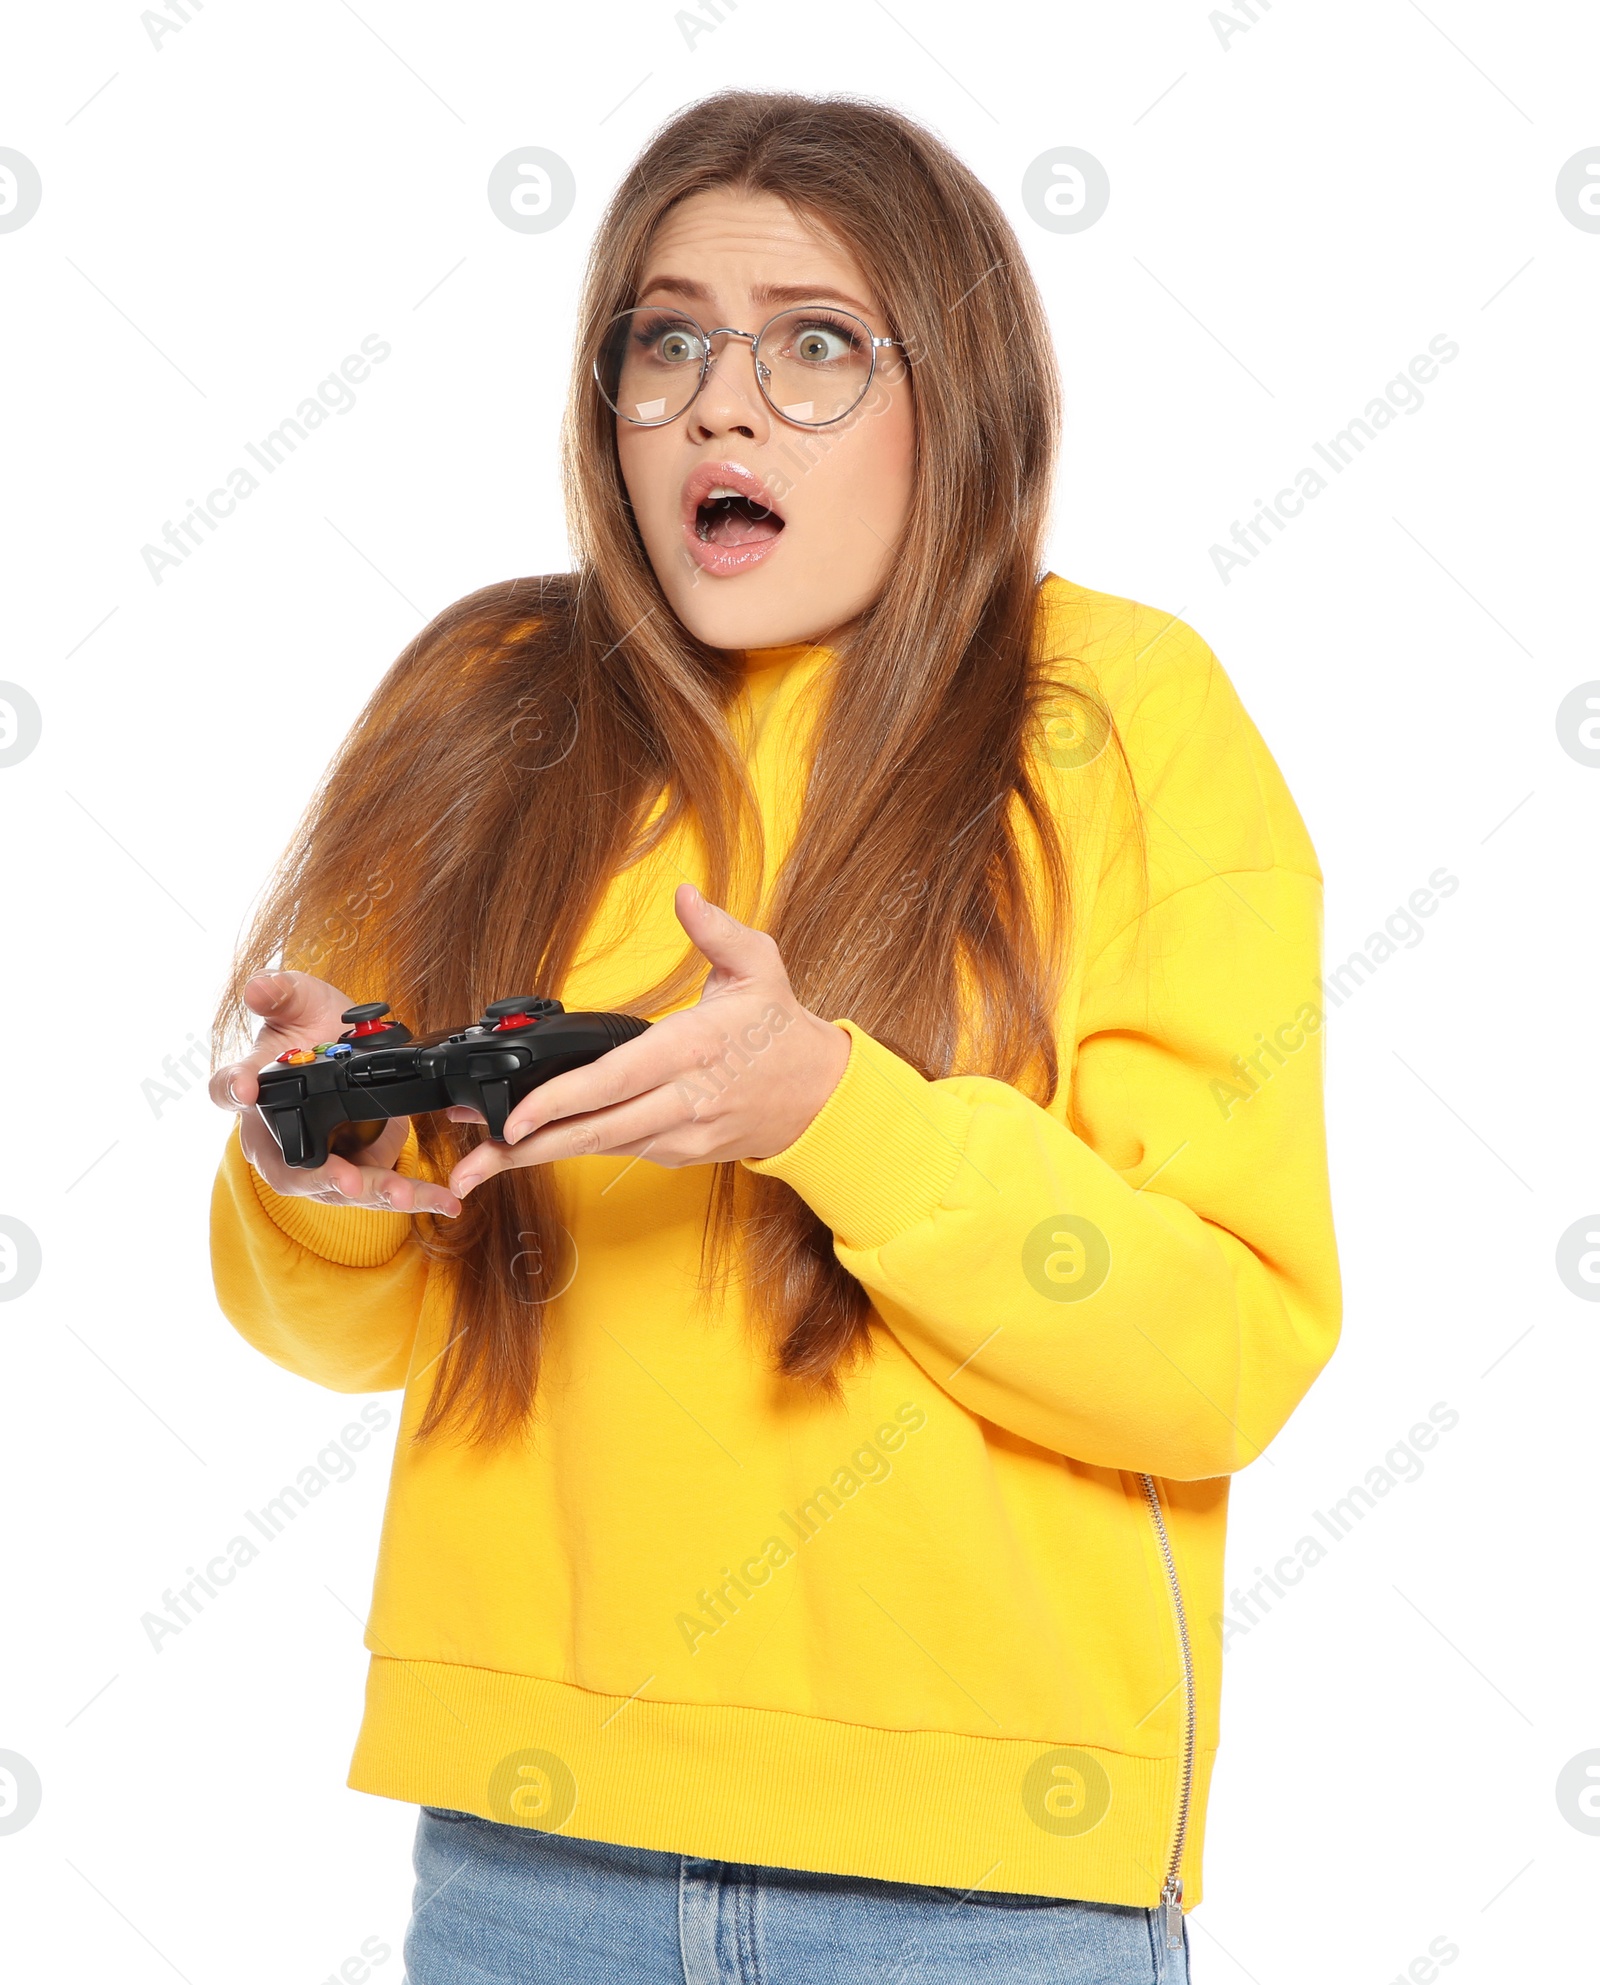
column 1172, row 1903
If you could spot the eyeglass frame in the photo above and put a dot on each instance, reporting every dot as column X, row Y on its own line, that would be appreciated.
column 753, row 339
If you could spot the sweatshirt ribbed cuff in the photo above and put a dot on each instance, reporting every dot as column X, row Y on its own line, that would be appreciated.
column 350, row 1236
column 879, row 1155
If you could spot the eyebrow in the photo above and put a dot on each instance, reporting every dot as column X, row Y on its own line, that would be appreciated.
column 759, row 292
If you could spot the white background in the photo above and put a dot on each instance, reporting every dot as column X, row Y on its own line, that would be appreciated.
column 1293, row 216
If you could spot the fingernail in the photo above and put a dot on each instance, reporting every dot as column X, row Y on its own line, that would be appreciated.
column 234, row 1092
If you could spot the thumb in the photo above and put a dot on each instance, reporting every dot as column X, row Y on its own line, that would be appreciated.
column 287, row 1000
column 735, row 948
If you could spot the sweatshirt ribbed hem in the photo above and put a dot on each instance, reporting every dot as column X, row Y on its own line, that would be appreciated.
column 775, row 1789
column 351, row 1236
column 867, row 1164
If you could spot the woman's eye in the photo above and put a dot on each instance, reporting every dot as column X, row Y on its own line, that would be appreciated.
column 816, row 344
column 666, row 344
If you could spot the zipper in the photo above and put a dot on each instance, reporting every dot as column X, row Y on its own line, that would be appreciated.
column 1172, row 1887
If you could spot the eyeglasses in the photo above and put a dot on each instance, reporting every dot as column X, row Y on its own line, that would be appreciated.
column 813, row 363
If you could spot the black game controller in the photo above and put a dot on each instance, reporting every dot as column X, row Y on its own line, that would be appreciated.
column 365, row 1077
column 375, row 1071
column 518, row 1044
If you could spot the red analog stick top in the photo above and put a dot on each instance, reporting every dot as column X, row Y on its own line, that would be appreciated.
column 522, row 1010
column 367, row 1019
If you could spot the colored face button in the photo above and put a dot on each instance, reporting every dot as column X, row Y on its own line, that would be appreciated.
column 298, row 1057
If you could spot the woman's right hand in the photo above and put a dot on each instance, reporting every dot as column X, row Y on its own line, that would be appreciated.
column 298, row 1011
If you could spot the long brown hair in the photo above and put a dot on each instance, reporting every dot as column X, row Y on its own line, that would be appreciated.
column 905, row 901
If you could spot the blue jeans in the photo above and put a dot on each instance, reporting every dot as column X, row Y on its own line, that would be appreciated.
column 507, row 1905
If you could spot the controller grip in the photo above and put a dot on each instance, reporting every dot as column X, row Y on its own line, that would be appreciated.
column 306, row 1133
column 304, row 1145
column 494, row 1099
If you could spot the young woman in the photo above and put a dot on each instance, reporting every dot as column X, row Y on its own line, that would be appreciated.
column 805, row 1541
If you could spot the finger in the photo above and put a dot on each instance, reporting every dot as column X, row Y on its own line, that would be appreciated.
column 290, row 1004
column 238, row 1086
column 343, row 1183
column 291, row 999
column 234, row 1087
column 625, row 1130
column 464, row 1113
column 340, row 1183
column 740, row 950
column 619, row 1073
column 688, row 1049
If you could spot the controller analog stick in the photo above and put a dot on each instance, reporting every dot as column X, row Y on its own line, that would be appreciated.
column 365, row 1020
column 504, row 1014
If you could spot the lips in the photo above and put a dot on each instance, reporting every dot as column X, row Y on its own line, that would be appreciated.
column 730, row 520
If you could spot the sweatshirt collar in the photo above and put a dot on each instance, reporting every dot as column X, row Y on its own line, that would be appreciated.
column 757, row 661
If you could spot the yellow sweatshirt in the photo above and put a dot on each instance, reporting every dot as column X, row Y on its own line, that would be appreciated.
column 955, row 1629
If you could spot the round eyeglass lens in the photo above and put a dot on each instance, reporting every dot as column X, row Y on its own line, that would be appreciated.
column 650, row 363
column 815, row 364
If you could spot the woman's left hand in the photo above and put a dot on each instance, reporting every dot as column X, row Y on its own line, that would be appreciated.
column 738, row 1075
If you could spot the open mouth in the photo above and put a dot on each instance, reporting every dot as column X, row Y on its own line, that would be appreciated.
column 730, row 523
column 731, row 520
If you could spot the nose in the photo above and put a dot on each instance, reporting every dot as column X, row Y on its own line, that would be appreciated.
column 730, row 401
